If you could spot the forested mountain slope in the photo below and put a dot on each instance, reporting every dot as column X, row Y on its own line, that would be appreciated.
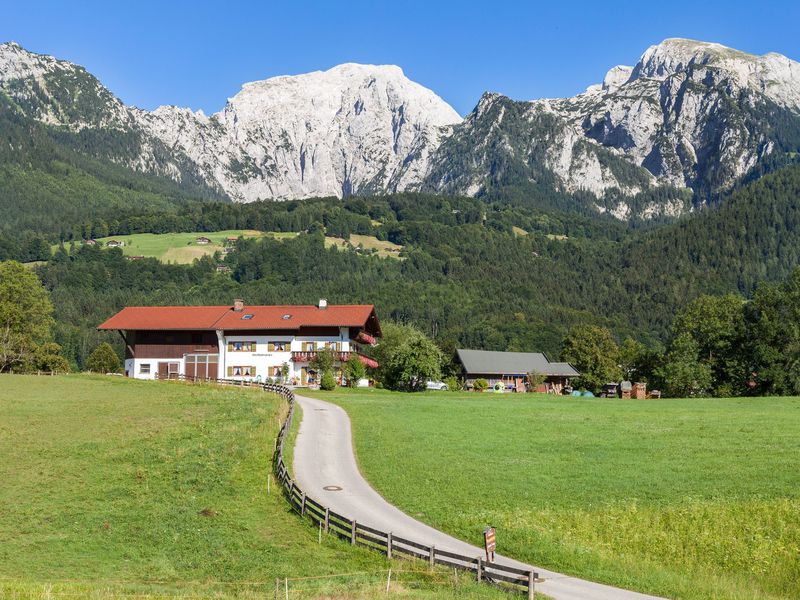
column 497, row 277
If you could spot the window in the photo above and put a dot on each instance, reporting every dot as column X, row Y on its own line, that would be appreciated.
column 241, row 346
column 275, row 371
column 241, row 371
column 144, row 368
column 278, row 346
column 247, row 317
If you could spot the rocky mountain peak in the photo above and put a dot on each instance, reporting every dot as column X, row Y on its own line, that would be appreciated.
column 773, row 74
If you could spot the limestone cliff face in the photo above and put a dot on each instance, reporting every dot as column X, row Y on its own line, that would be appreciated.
column 688, row 114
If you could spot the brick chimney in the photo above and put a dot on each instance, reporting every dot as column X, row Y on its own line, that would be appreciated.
column 238, row 305
column 323, row 303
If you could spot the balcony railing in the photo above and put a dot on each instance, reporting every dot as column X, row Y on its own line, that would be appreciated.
column 338, row 357
column 308, row 356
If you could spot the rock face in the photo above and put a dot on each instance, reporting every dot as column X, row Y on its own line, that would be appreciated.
column 687, row 115
column 354, row 129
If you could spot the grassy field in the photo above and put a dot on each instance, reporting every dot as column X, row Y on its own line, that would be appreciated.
column 383, row 248
column 180, row 248
column 682, row 498
column 113, row 488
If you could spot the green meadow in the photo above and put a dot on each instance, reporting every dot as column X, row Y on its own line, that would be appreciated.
column 179, row 248
column 693, row 499
column 114, row 488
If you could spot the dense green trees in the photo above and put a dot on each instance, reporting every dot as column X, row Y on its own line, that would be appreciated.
column 594, row 352
column 25, row 322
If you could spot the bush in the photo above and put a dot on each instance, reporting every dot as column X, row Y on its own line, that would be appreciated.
column 480, row 385
column 104, row 360
column 354, row 370
column 454, row 384
column 328, row 381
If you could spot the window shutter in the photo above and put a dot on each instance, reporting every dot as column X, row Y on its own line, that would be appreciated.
column 271, row 346
column 252, row 371
column 230, row 371
column 253, row 347
column 230, row 347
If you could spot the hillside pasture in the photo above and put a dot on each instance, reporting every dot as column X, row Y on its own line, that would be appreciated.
column 114, row 488
column 691, row 499
column 178, row 248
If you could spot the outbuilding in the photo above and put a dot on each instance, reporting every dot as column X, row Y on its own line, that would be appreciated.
column 512, row 369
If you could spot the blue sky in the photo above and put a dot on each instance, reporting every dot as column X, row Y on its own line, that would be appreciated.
column 197, row 54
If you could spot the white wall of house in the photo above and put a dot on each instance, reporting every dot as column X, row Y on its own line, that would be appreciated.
column 264, row 359
column 147, row 368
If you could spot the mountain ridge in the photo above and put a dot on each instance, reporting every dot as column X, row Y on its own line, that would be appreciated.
column 688, row 114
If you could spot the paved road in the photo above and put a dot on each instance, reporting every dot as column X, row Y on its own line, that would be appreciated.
column 324, row 456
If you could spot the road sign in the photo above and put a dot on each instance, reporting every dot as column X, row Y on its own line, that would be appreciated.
column 490, row 542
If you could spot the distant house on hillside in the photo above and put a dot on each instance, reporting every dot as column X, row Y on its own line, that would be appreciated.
column 223, row 269
column 89, row 243
column 134, row 257
column 231, row 240
column 512, row 368
column 114, row 244
column 202, row 240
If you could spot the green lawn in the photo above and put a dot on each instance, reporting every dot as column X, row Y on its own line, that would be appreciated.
column 113, row 488
column 683, row 498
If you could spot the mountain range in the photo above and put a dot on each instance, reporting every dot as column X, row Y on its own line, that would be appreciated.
column 684, row 124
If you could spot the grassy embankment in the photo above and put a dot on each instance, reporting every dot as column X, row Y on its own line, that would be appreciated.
column 690, row 499
column 113, row 488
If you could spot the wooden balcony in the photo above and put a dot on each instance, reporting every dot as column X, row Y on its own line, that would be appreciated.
column 340, row 357
column 308, row 356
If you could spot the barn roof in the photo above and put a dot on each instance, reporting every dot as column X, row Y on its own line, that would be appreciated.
column 489, row 362
column 289, row 317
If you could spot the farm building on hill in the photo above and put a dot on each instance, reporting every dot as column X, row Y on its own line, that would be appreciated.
column 512, row 368
column 202, row 240
column 114, row 244
column 241, row 342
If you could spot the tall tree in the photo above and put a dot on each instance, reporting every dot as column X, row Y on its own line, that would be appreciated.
column 25, row 316
column 683, row 373
column 717, row 325
column 594, row 352
column 775, row 317
column 407, row 358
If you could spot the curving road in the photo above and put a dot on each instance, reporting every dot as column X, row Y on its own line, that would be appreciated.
column 323, row 457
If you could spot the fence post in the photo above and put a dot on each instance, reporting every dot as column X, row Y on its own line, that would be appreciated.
column 531, row 585
column 303, row 505
column 353, row 526
column 432, row 557
column 389, row 545
column 277, row 588
column 480, row 569
column 327, row 519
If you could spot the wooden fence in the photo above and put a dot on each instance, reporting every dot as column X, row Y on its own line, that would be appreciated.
column 385, row 542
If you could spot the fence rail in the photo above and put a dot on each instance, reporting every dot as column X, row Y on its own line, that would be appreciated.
column 349, row 529
column 517, row 579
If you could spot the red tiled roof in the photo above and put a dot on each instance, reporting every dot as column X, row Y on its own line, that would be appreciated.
column 143, row 318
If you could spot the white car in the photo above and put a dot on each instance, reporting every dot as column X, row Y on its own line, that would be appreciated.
column 436, row 385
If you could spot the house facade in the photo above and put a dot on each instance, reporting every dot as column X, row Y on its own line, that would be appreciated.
column 239, row 342
column 511, row 370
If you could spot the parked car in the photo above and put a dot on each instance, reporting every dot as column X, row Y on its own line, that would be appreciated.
column 437, row 385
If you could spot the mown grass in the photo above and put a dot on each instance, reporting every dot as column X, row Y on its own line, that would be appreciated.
column 690, row 499
column 113, row 488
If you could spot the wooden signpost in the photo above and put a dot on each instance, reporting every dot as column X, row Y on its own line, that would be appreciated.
column 490, row 542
